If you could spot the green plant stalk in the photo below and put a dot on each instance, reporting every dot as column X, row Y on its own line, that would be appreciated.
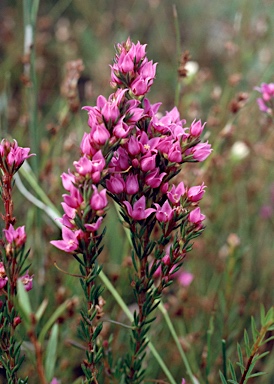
column 168, row 322
column 178, row 345
column 30, row 177
column 224, row 358
column 127, row 312
column 254, row 351
column 30, row 10
column 178, row 53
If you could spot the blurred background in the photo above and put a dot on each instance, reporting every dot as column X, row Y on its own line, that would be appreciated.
column 230, row 49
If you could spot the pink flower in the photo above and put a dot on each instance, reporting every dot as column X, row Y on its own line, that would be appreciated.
column 3, row 277
column 120, row 160
column 137, row 51
column 185, row 278
column 175, row 194
column 125, row 63
column 86, row 145
column 133, row 146
column 75, row 199
column 98, row 162
column 27, row 281
column 262, row 106
column 55, row 381
column 201, row 151
column 98, row 200
column 196, row 128
column 266, row 211
column 133, row 113
column 175, row 153
column 148, row 71
column 139, row 86
column 121, row 129
column 164, row 213
column 18, row 155
column 196, row 217
column 94, row 226
column 154, row 179
column 148, row 162
column 131, row 184
column 17, row 235
column 83, row 166
column 110, row 112
column 138, row 211
column 13, row 154
column 195, row 194
column 68, row 179
column 69, row 211
column 115, row 184
column 99, row 134
column 70, row 240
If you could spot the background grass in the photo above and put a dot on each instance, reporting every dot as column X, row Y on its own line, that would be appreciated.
column 232, row 262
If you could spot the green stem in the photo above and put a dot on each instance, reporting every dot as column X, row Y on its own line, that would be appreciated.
column 30, row 10
column 224, row 358
column 168, row 322
column 127, row 312
column 178, row 53
column 178, row 345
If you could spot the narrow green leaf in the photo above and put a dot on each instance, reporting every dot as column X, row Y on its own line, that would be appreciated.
column 232, row 371
column 222, row 378
column 262, row 314
column 51, row 355
column 254, row 329
column 247, row 344
column 23, row 301
column 40, row 311
column 58, row 312
column 257, row 374
column 241, row 360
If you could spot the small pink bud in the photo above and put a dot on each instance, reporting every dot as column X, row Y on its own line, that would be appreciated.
column 195, row 194
column 27, row 281
column 164, row 213
column 18, row 235
column 196, row 128
column 3, row 277
column 135, row 163
column 195, row 216
column 147, row 163
column 98, row 199
column 131, row 184
column 116, row 184
column 16, row 321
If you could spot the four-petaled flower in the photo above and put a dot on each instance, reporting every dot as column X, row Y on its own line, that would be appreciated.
column 70, row 240
column 139, row 211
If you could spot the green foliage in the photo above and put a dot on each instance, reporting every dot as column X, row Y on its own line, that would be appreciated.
column 253, row 350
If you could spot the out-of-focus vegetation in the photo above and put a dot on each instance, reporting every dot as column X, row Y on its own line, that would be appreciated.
column 232, row 263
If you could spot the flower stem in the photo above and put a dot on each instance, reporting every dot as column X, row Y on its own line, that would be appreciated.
column 176, row 340
column 129, row 315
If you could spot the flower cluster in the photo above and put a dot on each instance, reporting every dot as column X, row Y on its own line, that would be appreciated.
column 12, row 156
column 131, row 153
column 266, row 101
column 13, row 261
column 15, row 241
